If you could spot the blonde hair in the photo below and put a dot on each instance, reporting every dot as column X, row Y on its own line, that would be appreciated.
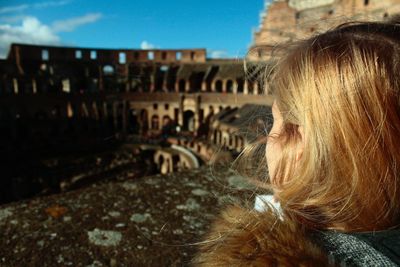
column 343, row 88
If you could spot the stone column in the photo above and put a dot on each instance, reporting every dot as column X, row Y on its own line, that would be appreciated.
column 152, row 83
column 187, row 86
column 203, row 86
column 197, row 113
column 15, row 85
column 181, row 110
column 95, row 111
column 105, row 111
column 255, row 88
column 176, row 86
column 101, row 84
column 34, row 86
column 245, row 87
column 127, row 85
column 235, row 87
column 115, row 114
column 124, row 117
column 224, row 86
column 213, row 86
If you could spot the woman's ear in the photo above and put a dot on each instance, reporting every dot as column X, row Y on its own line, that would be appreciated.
column 300, row 145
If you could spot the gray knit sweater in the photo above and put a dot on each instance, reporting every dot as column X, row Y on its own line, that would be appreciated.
column 362, row 249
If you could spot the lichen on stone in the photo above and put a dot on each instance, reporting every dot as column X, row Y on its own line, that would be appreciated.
column 4, row 213
column 139, row 218
column 95, row 264
column 114, row 214
column 190, row 205
column 177, row 231
column 199, row 192
column 104, row 238
column 239, row 182
column 129, row 186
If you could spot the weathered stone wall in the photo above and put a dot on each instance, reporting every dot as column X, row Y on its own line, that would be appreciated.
column 152, row 221
column 290, row 20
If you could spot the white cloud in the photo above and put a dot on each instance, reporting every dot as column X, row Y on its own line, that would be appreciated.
column 69, row 25
column 9, row 9
column 12, row 19
column 51, row 3
column 146, row 45
column 31, row 31
column 22, row 7
column 217, row 54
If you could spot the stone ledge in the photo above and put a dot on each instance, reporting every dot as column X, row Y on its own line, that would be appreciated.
column 150, row 221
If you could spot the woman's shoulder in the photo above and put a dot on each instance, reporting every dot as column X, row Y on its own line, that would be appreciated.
column 242, row 237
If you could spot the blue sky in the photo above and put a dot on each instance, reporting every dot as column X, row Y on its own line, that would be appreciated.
column 223, row 27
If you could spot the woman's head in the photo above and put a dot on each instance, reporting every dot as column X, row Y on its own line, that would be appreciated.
column 337, row 146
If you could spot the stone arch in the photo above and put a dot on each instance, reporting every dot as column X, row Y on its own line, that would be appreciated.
column 160, row 162
column 55, row 112
column 250, row 88
column 166, row 120
column 240, row 86
column 218, row 86
column 95, row 111
column 108, row 70
column 155, row 122
column 168, row 164
column 230, row 140
column 182, row 85
column 144, row 121
column 84, row 110
column 229, row 86
column 133, row 122
column 188, row 120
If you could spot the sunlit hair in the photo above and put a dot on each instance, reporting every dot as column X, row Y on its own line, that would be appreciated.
column 343, row 88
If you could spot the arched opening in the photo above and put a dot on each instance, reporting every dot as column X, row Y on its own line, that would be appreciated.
column 182, row 85
column 95, row 111
column 108, row 70
column 166, row 120
column 188, row 120
column 55, row 112
column 120, row 116
column 122, row 58
column 195, row 81
column 240, row 85
column 218, row 86
column 250, row 87
column 219, row 139
column 155, row 123
column 160, row 163
column 144, row 123
column 168, row 127
column 229, row 86
column 168, row 163
column 133, row 127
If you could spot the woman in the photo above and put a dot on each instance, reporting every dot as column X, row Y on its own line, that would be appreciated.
column 333, row 159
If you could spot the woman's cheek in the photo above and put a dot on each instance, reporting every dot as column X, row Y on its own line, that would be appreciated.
column 272, row 152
